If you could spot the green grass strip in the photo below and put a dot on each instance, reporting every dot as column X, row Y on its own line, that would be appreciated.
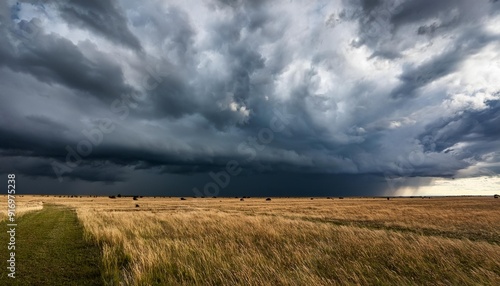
column 50, row 250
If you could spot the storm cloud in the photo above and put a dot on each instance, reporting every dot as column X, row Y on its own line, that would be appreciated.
column 302, row 97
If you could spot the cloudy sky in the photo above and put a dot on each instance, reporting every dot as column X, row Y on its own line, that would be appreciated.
column 251, row 97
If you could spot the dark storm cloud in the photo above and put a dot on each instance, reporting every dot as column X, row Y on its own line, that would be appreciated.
column 362, row 91
column 441, row 65
column 176, row 95
column 56, row 60
column 476, row 128
column 104, row 18
column 95, row 171
column 369, row 5
column 446, row 12
column 385, row 26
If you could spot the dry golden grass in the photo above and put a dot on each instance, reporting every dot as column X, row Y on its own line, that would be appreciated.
column 24, row 204
column 446, row 241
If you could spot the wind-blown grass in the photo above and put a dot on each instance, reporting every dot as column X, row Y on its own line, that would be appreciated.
column 295, row 241
column 24, row 205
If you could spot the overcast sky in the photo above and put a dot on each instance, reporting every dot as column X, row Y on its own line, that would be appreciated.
column 251, row 97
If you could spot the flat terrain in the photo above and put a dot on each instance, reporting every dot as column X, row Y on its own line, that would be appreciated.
column 296, row 241
column 50, row 250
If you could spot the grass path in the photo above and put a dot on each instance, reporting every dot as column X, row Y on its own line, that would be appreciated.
column 50, row 250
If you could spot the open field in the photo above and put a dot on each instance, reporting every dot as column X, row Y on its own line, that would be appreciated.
column 51, row 250
column 24, row 204
column 438, row 241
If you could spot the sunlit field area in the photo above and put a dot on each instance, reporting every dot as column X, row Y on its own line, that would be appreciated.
column 24, row 204
column 292, row 241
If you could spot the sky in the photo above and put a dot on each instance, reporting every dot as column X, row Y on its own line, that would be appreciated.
column 255, row 98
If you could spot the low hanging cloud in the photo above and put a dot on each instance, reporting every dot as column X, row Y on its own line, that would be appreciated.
column 113, row 92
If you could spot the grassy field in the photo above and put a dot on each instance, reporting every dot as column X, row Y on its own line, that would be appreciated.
column 51, row 250
column 24, row 204
column 438, row 241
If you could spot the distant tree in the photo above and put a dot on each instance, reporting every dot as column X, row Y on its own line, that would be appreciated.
column 119, row 195
column 496, row 196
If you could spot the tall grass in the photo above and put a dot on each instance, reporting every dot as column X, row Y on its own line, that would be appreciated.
column 295, row 241
column 23, row 205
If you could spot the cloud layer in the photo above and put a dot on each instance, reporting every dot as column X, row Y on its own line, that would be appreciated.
column 102, row 92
